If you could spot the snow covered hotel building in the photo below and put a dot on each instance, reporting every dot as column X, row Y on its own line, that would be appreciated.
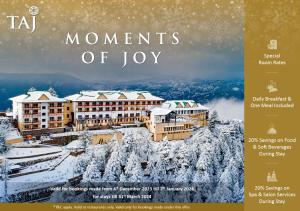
column 100, row 109
column 175, row 119
column 38, row 111
column 189, row 110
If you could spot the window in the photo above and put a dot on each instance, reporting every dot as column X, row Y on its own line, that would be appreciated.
column 119, row 115
column 51, row 105
column 68, row 116
column 68, row 108
column 114, row 103
column 125, row 115
column 94, row 116
column 113, row 108
column 43, row 114
column 107, row 116
column 87, row 117
column 59, row 104
column 100, row 109
column 26, row 120
column 52, row 118
column 51, row 110
column 101, row 103
column 87, row 103
column 79, row 109
column 100, row 116
column 59, row 118
column 79, row 117
column 137, row 115
column 107, row 108
column 43, row 107
column 94, row 109
column 94, row 103
column 120, row 108
column 131, row 115
column 59, row 110
column 43, row 120
column 59, row 124
column 80, row 103
column 43, row 126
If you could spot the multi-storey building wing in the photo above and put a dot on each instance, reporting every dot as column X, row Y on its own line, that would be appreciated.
column 189, row 110
column 96, row 109
column 163, row 123
column 38, row 111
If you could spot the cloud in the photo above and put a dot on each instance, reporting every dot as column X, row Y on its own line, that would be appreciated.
column 228, row 108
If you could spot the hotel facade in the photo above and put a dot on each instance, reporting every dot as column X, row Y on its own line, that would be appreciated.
column 102, row 109
column 39, row 112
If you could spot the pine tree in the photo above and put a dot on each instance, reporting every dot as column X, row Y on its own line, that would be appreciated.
column 133, row 169
column 213, row 120
column 85, row 138
column 92, row 173
column 113, row 168
column 5, row 126
column 52, row 92
column 31, row 89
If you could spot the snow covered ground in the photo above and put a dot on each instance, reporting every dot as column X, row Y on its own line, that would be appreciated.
column 14, row 153
column 60, row 174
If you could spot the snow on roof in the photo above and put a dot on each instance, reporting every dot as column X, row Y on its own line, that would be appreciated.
column 77, row 133
column 76, row 144
column 157, row 111
column 37, row 96
column 12, row 134
column 183, row 105
column 112, row 95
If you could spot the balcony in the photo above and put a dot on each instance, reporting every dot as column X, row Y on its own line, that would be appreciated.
column 56, row 114
column 32, row 115
column 31, row 122
column 55, row 121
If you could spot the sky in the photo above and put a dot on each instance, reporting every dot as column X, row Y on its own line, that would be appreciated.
column 210, row 34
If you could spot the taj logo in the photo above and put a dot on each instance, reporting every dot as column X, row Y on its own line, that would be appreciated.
column 22, row 22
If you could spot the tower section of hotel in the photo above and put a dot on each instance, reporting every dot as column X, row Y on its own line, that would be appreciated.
column 103, row 109
column 38, row 112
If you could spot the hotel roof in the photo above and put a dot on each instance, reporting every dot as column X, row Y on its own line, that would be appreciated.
column 112, row 96
column 158, row 111
column 183, row 105
column 37, row 96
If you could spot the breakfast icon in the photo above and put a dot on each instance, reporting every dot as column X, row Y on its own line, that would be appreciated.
column 272, row 86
